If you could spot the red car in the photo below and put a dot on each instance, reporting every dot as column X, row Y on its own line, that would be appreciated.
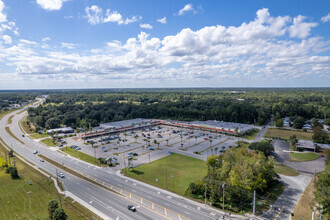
column 205, row 139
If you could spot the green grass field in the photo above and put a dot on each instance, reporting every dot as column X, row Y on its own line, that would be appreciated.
column 185, row 170
column 285, row 134
column 285, row 170
column 38, row 136
column 49, row 142
column 304, row 156
column 3, row 113
column 19, row 200
column 80, row 155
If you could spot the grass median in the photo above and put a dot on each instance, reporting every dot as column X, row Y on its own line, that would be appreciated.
column 285, row 170
column 159, row 173
column 80, row 155
column 49, row 142
column 11, row 134
column 21, row 200
column 300, row 157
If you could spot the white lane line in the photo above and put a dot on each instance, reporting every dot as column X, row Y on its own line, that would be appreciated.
column 212, row 213
column 149, row 197
column 187, row 213
column 169, row 197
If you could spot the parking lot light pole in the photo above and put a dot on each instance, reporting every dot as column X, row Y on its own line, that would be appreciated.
column 205, row 194
column 223, row 196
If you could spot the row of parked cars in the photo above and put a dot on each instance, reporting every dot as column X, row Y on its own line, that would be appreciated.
column 75, row 147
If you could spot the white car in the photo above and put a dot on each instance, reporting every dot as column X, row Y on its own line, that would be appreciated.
column 61, row 175
column 42, row 160
column 35, row 152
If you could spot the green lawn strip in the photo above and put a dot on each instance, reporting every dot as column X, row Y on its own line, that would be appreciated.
column 19, row 200
column 38, row 136
column 49, row 142
column 214, row 146
column 285, row 134
column 3, row 113
column 285, row 170
column 9, row 132
column 252, row 135
column 185, row 170
column 10, row 119
column 25, row 127
column 304, row 156
column 80, row 155
column 75, row 173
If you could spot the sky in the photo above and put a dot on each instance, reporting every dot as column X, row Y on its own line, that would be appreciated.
column 69, row 44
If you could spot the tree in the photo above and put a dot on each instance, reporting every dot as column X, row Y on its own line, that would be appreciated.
column 299, row 122
column 316, row 123
column 264, row 147
column 52, row 206
column 327, row 121
column 320, row 136
column 52, row 123
column 279, row 123
column 59, row 214
column 13, row 172
column 322, row 193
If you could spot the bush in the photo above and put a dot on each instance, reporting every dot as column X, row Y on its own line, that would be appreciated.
column 264, row 147
column 12, row 171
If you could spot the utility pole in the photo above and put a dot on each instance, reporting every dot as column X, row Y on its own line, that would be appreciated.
column 149, row 155
column 205, row 194
column 254, row 202
column 223, row 197
column 95, row 154
column 165, row 177
column 124, row 161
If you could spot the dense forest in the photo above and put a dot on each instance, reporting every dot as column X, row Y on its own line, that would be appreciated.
column 9, row 97
column 85, row 108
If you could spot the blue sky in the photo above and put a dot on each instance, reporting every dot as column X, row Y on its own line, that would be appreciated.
column 127, row 43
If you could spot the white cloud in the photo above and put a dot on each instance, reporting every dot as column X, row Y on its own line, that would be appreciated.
column 95, row 16
column 51, row 5
column 114, row 17
column 7, row 39
column 186, row 8
column 300, row 28
column 68, row 45
column 265, row 48
column 46, row 39
column 146, row 26
column 3, row 16
column 162, row 20
column 326, row 18
column 68, row 17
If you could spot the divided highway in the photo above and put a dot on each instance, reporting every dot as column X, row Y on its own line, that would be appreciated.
column 104, row 201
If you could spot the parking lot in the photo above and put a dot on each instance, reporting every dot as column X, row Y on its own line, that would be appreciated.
column 152, row 144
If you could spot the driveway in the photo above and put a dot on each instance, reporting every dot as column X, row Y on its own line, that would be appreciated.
column 307, row 167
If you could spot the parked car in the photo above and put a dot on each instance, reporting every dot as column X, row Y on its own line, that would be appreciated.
column 152, row 148
column 61, row 145
column 61, row 175
column 131, row 208
column 205, row 139
column 135, row 154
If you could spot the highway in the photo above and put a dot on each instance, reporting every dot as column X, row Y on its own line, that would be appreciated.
column 106, row 202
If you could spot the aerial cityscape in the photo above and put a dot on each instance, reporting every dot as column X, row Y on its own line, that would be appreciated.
column 184, row 110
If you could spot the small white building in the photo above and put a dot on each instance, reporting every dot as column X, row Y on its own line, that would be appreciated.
column 64, row 130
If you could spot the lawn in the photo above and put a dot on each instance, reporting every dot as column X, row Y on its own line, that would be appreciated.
column 285, row 134
column 25, row 126
column 49, row 142
column 80, row 155
column 303, row 209
column 285, row 170
column 304, row 156
column 184, row 169
column 3, row 113
column 20, row 200
column 38, row 136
